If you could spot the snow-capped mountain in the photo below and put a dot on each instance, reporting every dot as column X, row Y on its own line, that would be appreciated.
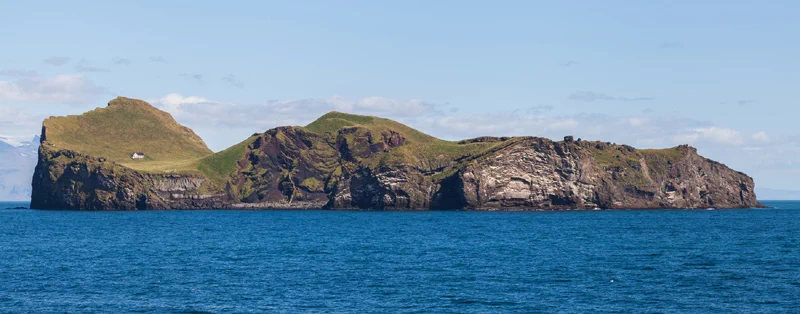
column 17, row 161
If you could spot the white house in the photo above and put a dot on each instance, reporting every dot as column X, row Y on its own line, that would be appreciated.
column 137, row 156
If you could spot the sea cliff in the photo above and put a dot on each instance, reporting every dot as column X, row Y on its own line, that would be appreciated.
column 344, row 161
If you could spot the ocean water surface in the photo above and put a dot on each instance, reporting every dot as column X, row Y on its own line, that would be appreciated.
column 377, row 262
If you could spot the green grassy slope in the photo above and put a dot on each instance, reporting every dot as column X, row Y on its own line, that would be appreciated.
column 219, row 166
column 127, row 126
column 420, row 149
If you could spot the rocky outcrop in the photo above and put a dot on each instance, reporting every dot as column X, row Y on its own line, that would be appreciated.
column 283, row 168
column 64, row 179
column 485, row 139
column 538, row 173
column 374, row 168
column 525, row 173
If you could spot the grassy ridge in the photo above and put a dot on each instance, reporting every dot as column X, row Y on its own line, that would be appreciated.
column 420, row 149
column 124, row 127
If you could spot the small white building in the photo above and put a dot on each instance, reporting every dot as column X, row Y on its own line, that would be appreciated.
column 137, row 156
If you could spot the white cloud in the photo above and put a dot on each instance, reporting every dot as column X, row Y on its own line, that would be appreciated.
column 712, row 134
column 635, row 121
column 233, row 81
column 59, row 89
column 85, row 66
column 590, row 96
column 195, row 110
column 122, row 61
column 158, row 59
column 57, row 61
column 17, row 125
column 379, row 106
column 175, row 100
column 652, row 131
column 18, row 73
column 636, row 131
column 760, row 137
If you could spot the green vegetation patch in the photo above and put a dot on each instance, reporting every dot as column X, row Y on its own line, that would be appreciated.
column 660, row 160
column 312, row 184
column 124, row 127
column 219, row 166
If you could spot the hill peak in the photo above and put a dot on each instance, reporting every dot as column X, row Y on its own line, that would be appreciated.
column 125, row 126
column 348, row 116
column 122, row 100
column 130, row 103
column 335, row 120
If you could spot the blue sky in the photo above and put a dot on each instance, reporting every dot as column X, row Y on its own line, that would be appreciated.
column 719, row 75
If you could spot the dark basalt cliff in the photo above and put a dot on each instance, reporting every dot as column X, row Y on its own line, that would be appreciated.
column 64, row 179
column 392, row 168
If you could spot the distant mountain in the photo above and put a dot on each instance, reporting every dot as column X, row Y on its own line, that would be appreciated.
column 4, row 144
column 777, row 195
column 17, row 162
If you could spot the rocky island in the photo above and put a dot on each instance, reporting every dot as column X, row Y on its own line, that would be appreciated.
column 345, row 161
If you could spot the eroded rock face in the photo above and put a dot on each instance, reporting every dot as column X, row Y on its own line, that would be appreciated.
column 285, row 167
column 404, row 188
column 536, row 173
column 65, row 179
column 289, row 167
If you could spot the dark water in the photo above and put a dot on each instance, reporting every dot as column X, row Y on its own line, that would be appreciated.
column 377, row 262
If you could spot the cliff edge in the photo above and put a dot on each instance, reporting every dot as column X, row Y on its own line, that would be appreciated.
column 344, row 161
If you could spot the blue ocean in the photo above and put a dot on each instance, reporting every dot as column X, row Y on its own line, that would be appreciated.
column 668, row 261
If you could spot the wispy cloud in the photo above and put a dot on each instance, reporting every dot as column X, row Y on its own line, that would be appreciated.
column 711, row 134
column 18, row 73
column 589, row 96
column 59, row 89
column 197, row 76
column 567, row 64
column 57, row 61
column 740, row 102
column 195, row 110
column 85, row 66
column 233, row 81
column 760, row 137
column 122, row 61
column 18, row 125
column 644, row 131
column 670, row 45
column 158, row 59
column 539, row 109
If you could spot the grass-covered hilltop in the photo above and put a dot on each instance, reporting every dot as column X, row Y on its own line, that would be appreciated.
column 124, row 127
column 131, row 156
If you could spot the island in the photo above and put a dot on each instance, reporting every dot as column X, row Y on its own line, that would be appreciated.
column 133, row 156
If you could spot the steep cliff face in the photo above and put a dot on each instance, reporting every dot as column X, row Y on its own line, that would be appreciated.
column 355, row 162
column 64, row 179
column 518, row 174
column 285, row 167
column 539, row 173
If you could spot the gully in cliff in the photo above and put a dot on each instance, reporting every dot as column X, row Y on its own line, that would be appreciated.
column 345, row 161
